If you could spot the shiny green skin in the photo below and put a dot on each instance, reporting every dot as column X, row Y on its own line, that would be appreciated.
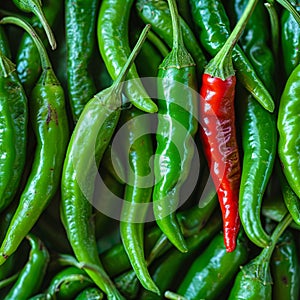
column 259, row 138
column 290, row 39
column 88, row 142
column 191, row 221
column 90, row 294
column 68, row 283
column 113, row 43
column 275, row 209
column 254, row 280
column 50, row 126
column 212, row 271
column 210, row 17
column 138, row 190
column 176, row 128
column 175, row 261
column 287, row 124
column 13, row 123
column 157, row 13
column 27, row 59
column 291, row 201
column 80, row 18
column 31, row 276
column 285, row 268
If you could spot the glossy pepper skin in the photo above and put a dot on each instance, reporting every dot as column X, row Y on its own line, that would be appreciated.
column 290, row 39
column 138, row 190
column 113, row 43
column 35, row 7
column 68, row 283
column 259, row 138
column 50, row 125
column 287, row 122
column 213, row 23
column 285, row 268
column 175, row 261
column 89, row 140
column 177, row 125
column 28, row 282
column 80, row 18
column 254, row 280
column 14, row 120
column 290, row 199
column 91, row 293
column 220, row 147
column 211, row 272
column 27, row 59
column 157, row 13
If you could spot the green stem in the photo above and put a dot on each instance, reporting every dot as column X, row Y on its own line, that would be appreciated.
column 287, row 5
column 158, row 43
column 177, row 34
column 35, row 6
column 45, row 62
column 274, row 27
column 221, row 66
column 280, row 228
column 121, row 77
column 7, row 281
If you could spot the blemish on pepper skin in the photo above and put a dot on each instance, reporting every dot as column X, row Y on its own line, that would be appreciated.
column 51, row 115
column 5, row 256
column 285, row 280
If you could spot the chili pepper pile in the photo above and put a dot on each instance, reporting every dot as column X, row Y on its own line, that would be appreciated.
column 149, row 149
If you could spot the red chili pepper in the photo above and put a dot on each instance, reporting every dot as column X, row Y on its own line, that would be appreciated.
column 221, row 150
column 218, row 129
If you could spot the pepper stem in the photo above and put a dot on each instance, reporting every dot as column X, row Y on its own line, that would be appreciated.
column 35, row 6
column 45, row 62
column 274, row 27
column 122, row 75
column 280, row 228
column 221, row 65
column 177, row 34
column 287, row 5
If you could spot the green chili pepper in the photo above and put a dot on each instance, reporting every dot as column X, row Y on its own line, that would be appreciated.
column 290, row 39
column 49, row 121
column 175, row 261
column 177, row 103
column 254, row 279
column 68, row 283
column 27, row 59
column 290, row 199
column 31, row 277
column 14, row 119
column 89, row 140
column 138, row 190
column 211, row 18
column 90, row 294
column 214, row 268
column 80, row 19
column 157, row 13
column 113, row 41
column 259, row 138
column 285, row 268
column 274, row 208
column 289, row 140
column 35, row 6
